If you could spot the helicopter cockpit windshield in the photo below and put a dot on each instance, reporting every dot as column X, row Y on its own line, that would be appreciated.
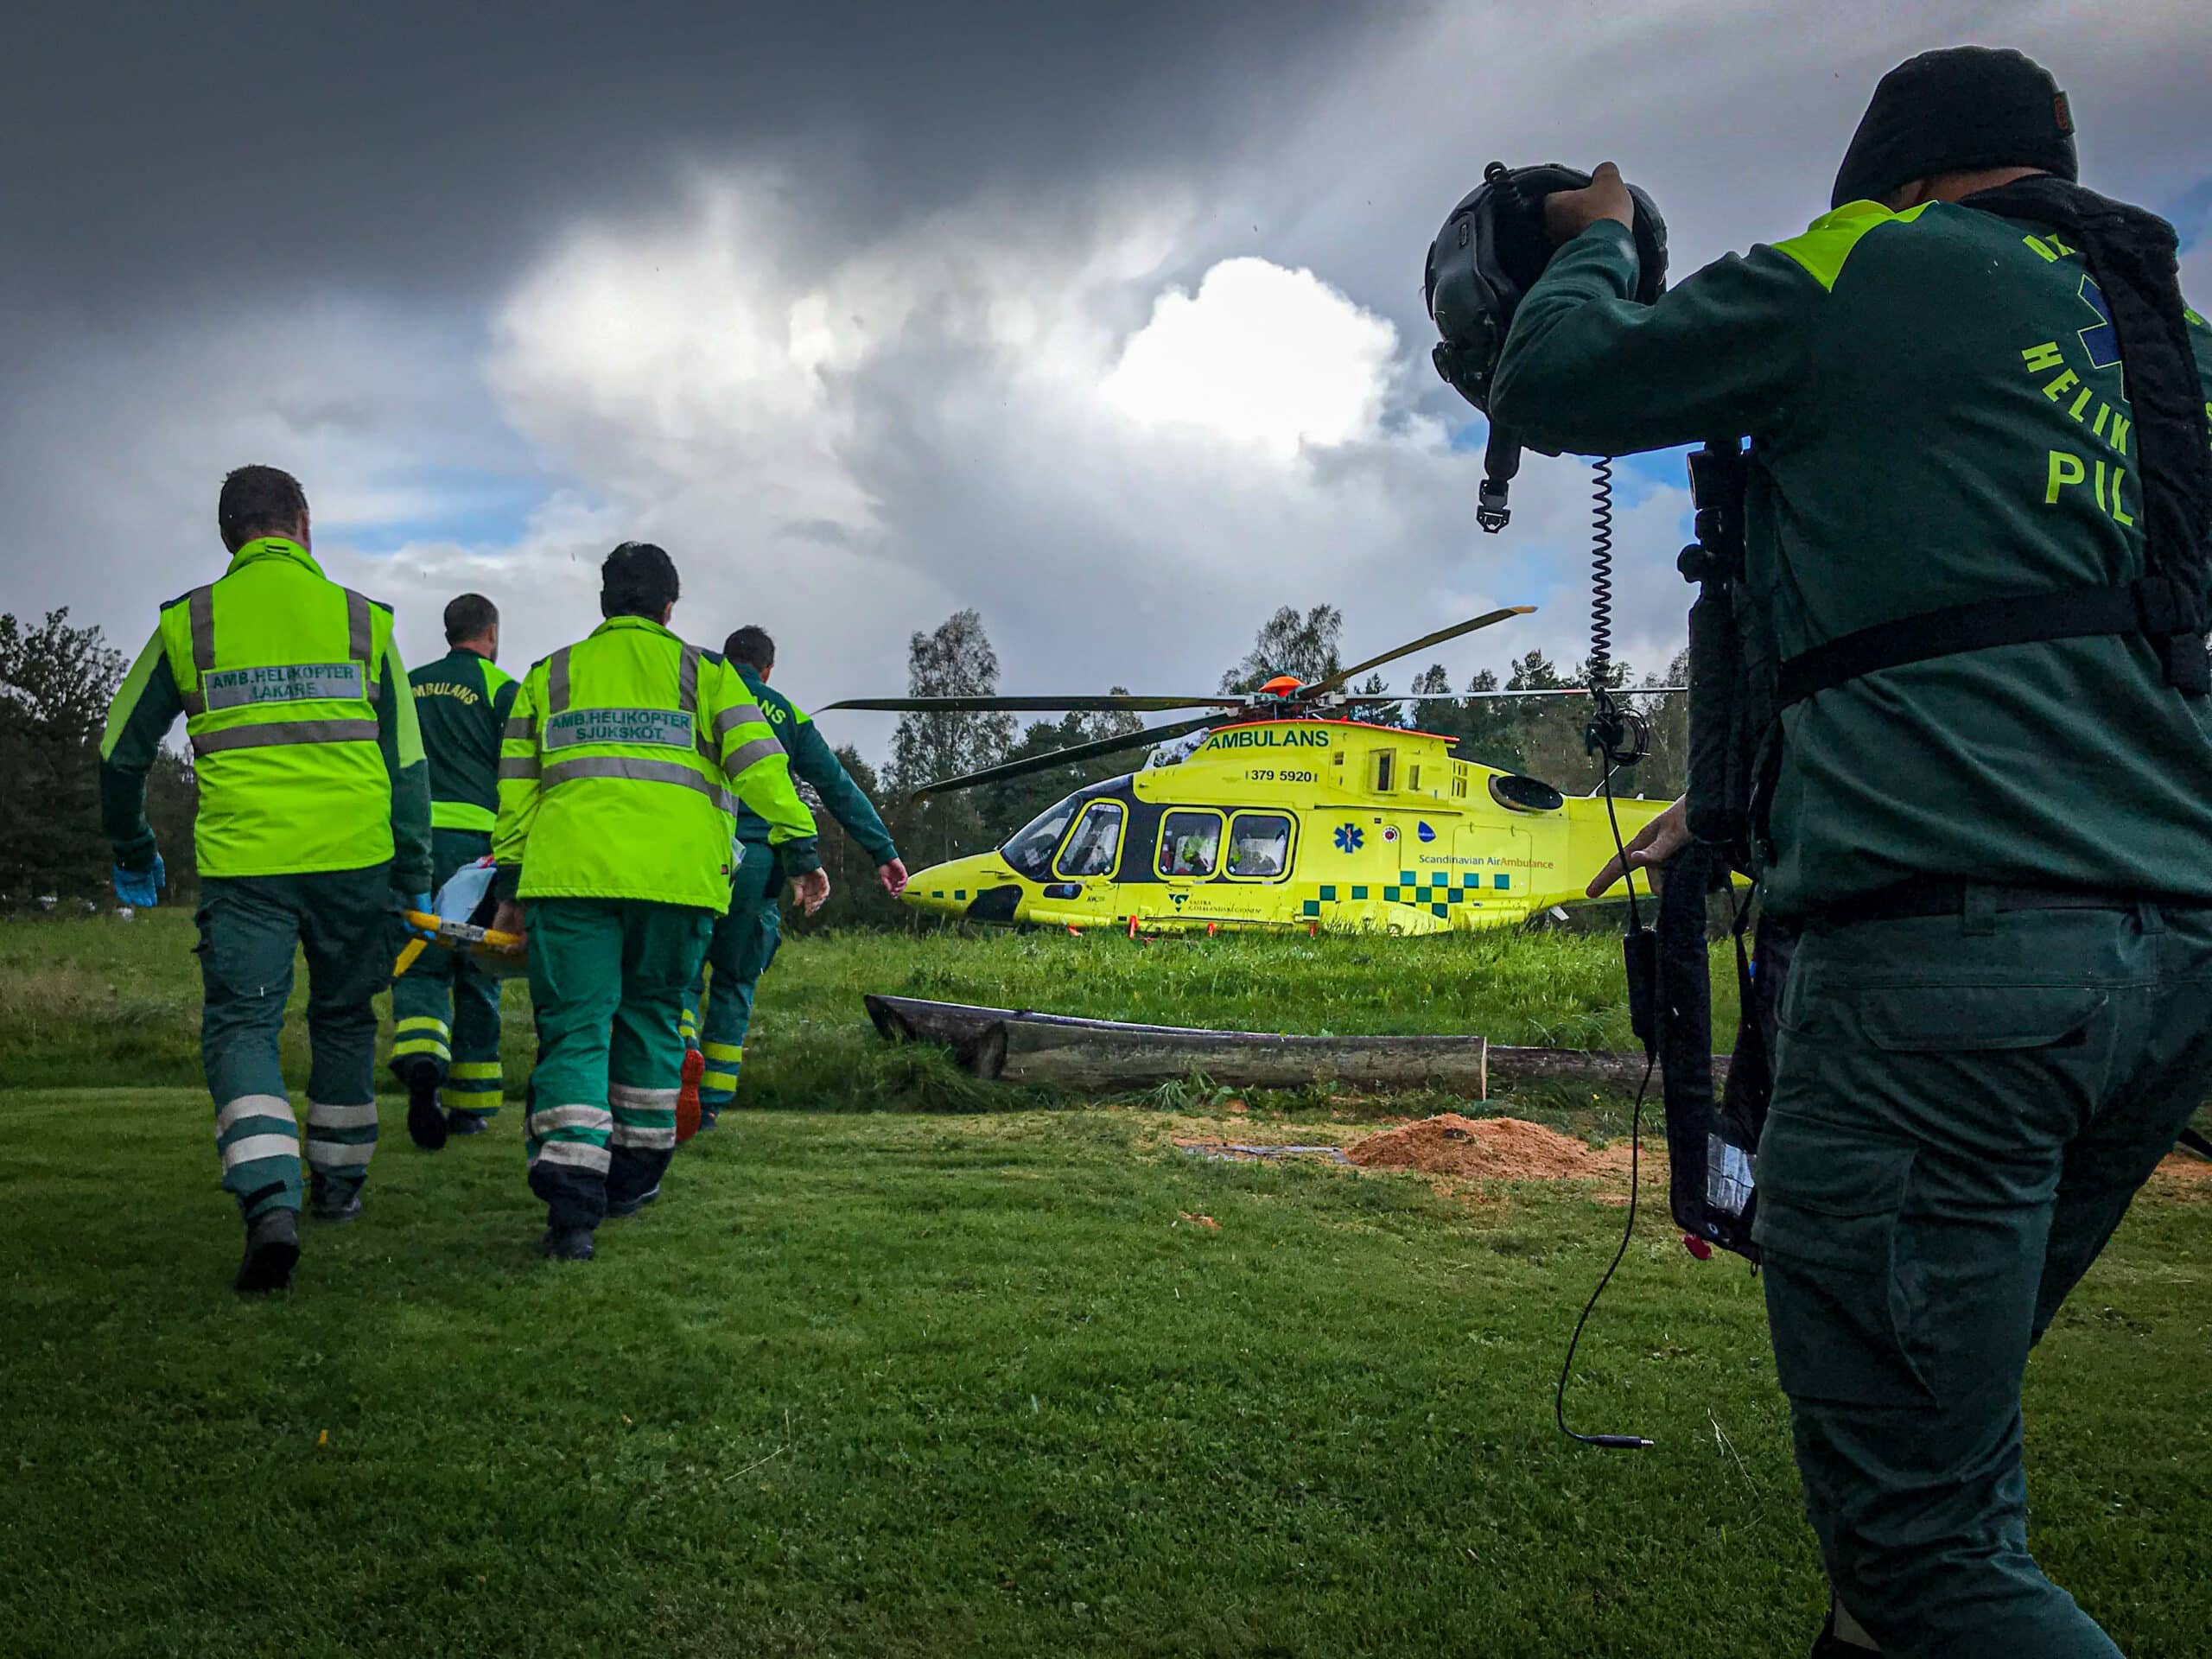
column 1030, row 851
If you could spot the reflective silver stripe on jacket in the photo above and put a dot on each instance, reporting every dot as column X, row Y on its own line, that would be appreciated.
column 522, row 727
column 284, row 732
column 518, row 765
column 199, row 611
column 687, row 680
column 360, row 640
column 358, row 636
column 556, row 681
column 637, row 772
column 625, row 1097
column 746, row 753
column 735, row 715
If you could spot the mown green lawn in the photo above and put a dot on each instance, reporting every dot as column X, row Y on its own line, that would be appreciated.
column 905, row 1382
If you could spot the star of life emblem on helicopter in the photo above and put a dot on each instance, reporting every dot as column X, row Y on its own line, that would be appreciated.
column 1350, row 837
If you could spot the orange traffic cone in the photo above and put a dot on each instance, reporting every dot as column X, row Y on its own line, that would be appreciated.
column 687, row 1097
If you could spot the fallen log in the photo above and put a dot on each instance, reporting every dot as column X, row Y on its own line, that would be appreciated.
column 1096, row 1057
column 1008, row 1044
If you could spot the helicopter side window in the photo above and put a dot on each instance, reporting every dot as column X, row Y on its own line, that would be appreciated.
column 1190, row 844
column 1259, row 847
column 1030, row 851
column 1097, row 839
column 1385, row 769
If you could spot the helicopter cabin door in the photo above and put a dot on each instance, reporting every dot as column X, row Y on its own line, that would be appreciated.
column 1188, row 855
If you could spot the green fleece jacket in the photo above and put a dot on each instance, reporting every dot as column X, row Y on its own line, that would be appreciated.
column 1937, row 416
column 814, row 762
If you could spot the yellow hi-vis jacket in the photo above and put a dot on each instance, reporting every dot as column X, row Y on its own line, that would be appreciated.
column 304, row 734
column 621, row 767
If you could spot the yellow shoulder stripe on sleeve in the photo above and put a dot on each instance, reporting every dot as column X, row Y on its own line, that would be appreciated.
column 1827, row 242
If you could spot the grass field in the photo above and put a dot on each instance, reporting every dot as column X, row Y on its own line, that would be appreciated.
column 930, row 1381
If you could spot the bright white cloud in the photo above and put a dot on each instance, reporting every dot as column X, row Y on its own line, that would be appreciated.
column 1258, row 355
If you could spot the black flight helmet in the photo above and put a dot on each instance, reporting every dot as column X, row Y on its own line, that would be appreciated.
column 1490, row 254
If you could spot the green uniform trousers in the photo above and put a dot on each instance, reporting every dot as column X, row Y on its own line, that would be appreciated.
column 1963, row 1109
column 743, row 945
column 250, row 928
column 606, row 978
column 445, row 1009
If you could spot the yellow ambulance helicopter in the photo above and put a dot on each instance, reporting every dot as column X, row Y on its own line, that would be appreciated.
column 1287, row 813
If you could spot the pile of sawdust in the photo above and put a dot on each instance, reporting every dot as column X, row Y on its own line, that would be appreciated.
column 2180, row 1174
column 1486, row 1148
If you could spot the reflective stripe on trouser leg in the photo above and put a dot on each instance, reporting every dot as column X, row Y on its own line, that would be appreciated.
column 340, row 1141
column 259, row 1145
column 473, row 1086
column 421, row 1003
column 743, row 945
column 664, row 944
column 719, row 1082
column 473, row 1080
column 421, row 1037
column 249, row 934
column 575, row 950
column 343, row 918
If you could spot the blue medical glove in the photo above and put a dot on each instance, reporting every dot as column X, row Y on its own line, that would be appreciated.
column 141, row 889
column 420, row 901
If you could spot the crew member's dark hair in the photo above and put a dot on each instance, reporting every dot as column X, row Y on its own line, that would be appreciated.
column 639, row 579
column 751, row 647
column 470, row 617
column 259, row 501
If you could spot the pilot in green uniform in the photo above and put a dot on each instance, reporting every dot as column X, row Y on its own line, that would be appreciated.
column 1994, row 828
column 745, row 940
column 445, row 1010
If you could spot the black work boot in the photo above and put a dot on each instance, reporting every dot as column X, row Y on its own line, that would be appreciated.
column 458, row 1122
column 566, row 1244
column 618, row 1208
column 327, row 1203
column 426, row 1121
column 272, row 1246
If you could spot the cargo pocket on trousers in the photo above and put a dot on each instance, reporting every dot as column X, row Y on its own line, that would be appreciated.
column 1828, row 1231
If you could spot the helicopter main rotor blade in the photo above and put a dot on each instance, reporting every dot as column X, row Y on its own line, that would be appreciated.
column 1065, row 756
column 1542, row 691
column 1044, row 705
column 1337, row 680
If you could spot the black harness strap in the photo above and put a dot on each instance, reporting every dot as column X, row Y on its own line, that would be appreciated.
column 2151, row 606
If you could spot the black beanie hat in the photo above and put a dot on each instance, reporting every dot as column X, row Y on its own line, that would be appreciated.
column 1954, row 110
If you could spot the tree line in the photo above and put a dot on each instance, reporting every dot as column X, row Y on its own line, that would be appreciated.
column 55, row 683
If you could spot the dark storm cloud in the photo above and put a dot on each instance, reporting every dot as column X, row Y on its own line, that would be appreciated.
column 158, row 151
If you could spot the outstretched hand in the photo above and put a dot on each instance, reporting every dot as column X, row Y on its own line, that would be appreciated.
column 1568, row 213
column 892, row 873
column 811, row 891
column 1648, row 849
